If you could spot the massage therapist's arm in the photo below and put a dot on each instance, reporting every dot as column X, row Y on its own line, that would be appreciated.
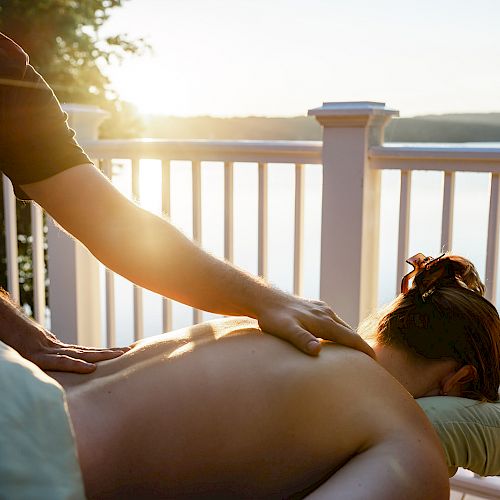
column 152, row 253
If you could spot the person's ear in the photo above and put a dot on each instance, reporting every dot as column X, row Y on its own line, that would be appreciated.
column 452, row 384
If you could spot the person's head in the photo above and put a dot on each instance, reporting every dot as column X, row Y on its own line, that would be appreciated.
column 440, row 336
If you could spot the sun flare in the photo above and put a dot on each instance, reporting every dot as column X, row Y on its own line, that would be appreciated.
column 153, row 89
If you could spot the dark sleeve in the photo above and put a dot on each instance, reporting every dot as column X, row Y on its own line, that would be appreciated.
column 35, row 140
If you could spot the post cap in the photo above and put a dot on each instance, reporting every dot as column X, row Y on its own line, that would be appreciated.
column 352, row 108
column 85, row 119
column 351, row 113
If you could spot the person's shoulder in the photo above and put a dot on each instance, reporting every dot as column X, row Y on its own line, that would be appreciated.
column 355, row 378
column 13, row 59
column 336, row 357
column 234, row 325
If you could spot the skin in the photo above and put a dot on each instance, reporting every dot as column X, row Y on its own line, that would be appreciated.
column 221, row 410
column 423, row 377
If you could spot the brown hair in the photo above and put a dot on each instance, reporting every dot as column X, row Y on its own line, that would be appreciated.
column 445, row 316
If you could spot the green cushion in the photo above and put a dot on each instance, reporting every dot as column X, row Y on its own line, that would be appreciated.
column 38, row 456
column 469, row 432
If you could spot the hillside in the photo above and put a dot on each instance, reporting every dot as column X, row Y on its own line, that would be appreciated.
column 446, row 128
column 431, row 128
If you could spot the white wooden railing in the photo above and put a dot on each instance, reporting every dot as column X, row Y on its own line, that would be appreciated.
column 353, row 156
column 448, row 160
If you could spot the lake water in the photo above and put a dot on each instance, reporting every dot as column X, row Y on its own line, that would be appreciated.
column 469, row 229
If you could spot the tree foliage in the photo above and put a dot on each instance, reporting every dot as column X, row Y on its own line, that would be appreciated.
column 64, row 42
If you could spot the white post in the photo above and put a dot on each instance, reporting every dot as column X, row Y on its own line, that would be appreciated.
column 351, row 206
column 74, row 296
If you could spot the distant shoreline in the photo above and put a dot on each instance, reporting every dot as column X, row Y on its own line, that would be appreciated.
column 452, row 128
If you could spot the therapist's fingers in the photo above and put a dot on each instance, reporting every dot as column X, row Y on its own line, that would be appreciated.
column 121, row 350
column 328, row 311
column 344, row 335
column 322, row 322
column 340, row 331
column 303, row 340
column 89, row 355
column 63, row 363
column 294, row 333
column 302, row 322
column 51, row 342
column 339, row 320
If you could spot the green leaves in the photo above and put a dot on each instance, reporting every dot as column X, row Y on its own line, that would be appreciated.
column 62, row 38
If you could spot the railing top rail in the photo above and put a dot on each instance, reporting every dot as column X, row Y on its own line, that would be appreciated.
column 198, row 149
column 436, row 157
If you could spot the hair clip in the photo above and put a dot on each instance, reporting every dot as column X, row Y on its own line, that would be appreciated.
column 419, row 262
column 427, row 293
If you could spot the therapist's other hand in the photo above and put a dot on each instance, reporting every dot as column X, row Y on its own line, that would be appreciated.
column 45, row 350
column 302, row 322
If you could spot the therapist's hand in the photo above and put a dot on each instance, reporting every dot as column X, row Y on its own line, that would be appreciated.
column 44, row 349
column 302, row 322
column 41, row 347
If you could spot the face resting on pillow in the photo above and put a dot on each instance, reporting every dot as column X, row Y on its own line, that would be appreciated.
column 442, row 337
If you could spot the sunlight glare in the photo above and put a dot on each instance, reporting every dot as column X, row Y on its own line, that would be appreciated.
column 154, row 88
column 144, row 84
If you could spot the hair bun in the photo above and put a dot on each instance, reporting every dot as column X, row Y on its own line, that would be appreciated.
column 448, row 268
column 466, row 273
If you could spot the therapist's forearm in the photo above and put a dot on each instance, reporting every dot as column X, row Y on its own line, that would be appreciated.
column 152, row 253
column 146, row 248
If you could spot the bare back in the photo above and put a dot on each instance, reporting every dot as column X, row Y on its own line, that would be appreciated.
column 221, row 410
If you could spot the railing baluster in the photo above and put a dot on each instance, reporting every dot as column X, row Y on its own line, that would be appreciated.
column 110, row 309
column 263, row 206
column 404, row 226
column 9, row 203
column 196, row 173
column 165, row 207
column 492, row 244
column 138, row 306
column 299, row 230
column 228, row 211
column 110, row 280
column 136, row 172
column 38, row 263
column 447, row 217
column 196, row 201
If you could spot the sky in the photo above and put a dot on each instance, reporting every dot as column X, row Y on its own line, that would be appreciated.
column 283, row 57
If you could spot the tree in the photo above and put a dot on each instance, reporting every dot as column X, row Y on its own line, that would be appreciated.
column 63, row 40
